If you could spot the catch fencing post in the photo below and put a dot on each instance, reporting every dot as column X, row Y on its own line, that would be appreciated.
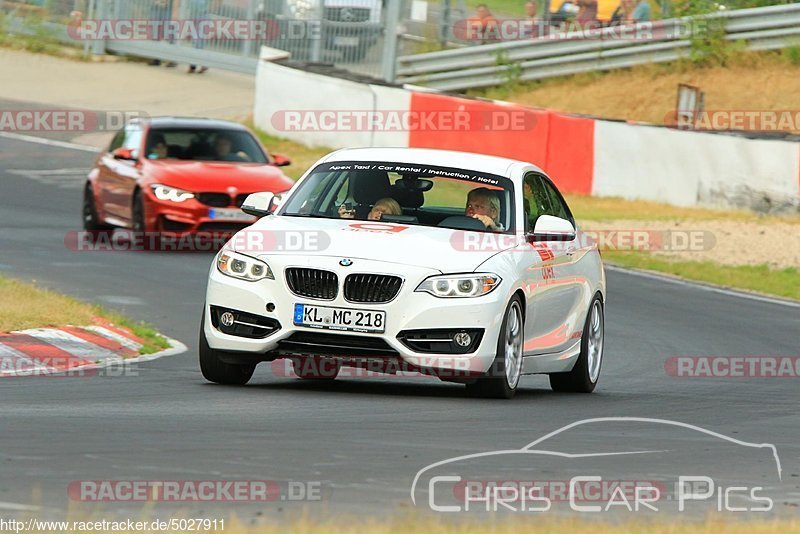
column 390, row 40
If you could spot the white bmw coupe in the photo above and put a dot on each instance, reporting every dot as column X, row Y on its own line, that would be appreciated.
column 464, row 266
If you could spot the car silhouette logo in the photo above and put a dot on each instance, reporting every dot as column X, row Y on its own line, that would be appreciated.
column 346, row 262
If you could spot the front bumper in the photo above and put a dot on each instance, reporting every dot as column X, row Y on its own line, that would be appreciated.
column 190, row 217
column 409, row 311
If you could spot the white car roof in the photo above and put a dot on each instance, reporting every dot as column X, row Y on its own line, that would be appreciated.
column 443, row 158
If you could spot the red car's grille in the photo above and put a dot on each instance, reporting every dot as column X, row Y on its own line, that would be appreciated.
column 221, row 200
column 217, row 200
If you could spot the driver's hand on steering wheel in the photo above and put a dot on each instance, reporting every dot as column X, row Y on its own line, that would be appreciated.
column 486, row 220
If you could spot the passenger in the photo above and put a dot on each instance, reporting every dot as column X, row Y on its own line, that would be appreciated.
column 158, row 147
column 385, row 206
column 484, row 204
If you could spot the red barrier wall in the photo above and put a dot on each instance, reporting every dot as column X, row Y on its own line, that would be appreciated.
column 498, row 130
column 570, row 153
column 561, row 145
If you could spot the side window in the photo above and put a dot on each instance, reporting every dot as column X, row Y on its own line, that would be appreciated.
column 117, row 141
column 536, row 201
column 558, row 208
column 133, row 139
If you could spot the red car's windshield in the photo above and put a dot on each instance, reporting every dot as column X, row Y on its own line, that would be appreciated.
column 209, row 144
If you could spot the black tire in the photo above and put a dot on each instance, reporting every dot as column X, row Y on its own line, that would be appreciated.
column 311, row 368
column 91, row 222
column 495, row 384
column 217, row 371
column 580, row 379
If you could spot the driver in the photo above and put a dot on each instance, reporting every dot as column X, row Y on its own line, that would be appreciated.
column 222, row 149
column 484, row 204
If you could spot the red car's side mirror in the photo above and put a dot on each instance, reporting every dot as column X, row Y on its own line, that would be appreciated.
column 124, row 154
column 279, row 160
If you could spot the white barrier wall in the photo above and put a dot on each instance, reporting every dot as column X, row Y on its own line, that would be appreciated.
column 312, row 108
column 689, row 168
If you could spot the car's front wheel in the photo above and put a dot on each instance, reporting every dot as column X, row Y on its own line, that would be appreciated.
column 584, row 376
column 218, row 371
column 503, row 377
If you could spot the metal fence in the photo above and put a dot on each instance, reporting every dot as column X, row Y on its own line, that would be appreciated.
column 351, row 34
column 558, row 55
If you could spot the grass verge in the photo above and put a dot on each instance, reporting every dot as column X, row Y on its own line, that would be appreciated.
column 302, row 156
column 760, row 278
column 24, row 306
column 613, row 208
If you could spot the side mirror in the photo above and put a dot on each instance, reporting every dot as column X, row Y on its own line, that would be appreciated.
column 279, row 160
column 124, row 154
column 259, row 204
column 549, row 228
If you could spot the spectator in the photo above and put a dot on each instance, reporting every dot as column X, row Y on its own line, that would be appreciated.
column 587, row 13
column 623, row 12
column 641, row 13
column 536, row 27
column 483, row 26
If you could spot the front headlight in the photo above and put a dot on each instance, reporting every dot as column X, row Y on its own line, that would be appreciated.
column 165, row 192
column 243, row 267
column 460, row 285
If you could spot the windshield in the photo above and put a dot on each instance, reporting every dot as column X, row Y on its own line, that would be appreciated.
column 405, row 193
column 206, row 144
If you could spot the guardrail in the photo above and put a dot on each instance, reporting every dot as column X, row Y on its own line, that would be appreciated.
column 764, row 28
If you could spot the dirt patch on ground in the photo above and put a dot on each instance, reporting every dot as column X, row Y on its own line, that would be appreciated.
column 725, row 242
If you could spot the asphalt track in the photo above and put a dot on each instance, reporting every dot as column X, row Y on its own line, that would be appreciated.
column 362, row 440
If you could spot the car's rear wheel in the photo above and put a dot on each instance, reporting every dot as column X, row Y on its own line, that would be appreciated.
column 584, row 376
column 503, row 377
column 91, row 221
column 218, row 371
column 311, row 368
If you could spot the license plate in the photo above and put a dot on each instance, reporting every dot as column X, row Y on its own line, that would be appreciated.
column 339, row 318
column 345, row 41
column 230, row 214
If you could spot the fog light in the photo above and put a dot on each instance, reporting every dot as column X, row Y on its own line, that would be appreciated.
column 462, row 339
column 227, row 319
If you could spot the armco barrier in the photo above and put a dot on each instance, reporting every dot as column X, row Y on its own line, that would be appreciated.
column 582, row 155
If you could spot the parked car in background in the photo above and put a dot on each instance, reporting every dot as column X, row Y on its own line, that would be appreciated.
column 183, row 175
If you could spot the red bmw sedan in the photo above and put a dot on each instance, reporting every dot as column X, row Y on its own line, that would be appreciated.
column 179, row 175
